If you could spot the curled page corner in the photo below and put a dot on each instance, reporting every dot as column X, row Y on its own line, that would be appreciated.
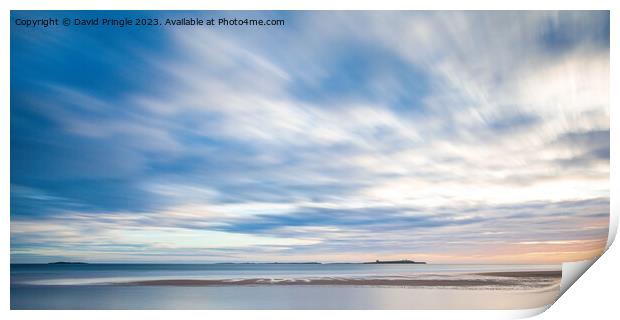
column 528, row 313
column 613, row 225
column 571, row 271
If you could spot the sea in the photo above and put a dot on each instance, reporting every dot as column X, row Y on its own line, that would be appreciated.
column 276, row 286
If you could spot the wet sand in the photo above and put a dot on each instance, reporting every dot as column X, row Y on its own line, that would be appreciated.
column 524, row 274
column 351, row 282
column 278, row 287
column 497, row 279
column 273, row 297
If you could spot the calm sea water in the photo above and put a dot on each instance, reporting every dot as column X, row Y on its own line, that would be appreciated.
column 101, row 286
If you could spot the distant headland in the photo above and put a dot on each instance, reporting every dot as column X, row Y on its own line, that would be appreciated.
column 66, row 262
column 404, row 261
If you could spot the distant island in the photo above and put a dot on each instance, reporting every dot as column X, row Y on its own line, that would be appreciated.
column 404, row 261
column 66, row 262
column 267, row 263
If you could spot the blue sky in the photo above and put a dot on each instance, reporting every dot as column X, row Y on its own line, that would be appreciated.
column 341, row 136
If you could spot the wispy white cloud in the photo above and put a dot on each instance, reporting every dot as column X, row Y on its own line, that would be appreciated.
column 451, row 124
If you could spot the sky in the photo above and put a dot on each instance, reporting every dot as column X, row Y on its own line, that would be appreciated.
column 446, row 137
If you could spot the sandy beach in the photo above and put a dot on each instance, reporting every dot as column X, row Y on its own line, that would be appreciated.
column 283, row 286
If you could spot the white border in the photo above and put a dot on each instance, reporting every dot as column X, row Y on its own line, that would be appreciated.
column 7, row 5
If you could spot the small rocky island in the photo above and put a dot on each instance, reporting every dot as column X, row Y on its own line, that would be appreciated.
column 404, row 261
